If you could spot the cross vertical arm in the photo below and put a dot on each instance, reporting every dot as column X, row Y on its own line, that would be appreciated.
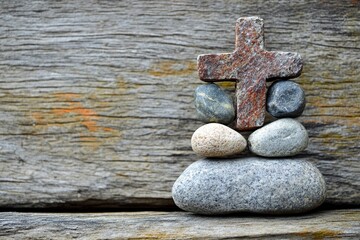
column 249, row 33
column 250, row 102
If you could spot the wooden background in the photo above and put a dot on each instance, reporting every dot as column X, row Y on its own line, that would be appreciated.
column 335, row 224
column 96, row 97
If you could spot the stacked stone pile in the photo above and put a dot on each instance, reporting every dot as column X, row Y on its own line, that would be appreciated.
column 272, row 181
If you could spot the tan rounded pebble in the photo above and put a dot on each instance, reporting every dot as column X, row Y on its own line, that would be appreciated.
column 217, row 140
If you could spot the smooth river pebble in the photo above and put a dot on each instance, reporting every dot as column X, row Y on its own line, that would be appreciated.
column 213, row 104
column 285, row 98
column 258, row 185
column 217, row 140
column 284, row 137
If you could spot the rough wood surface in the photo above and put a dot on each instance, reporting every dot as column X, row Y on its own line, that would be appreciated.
column 96, row 97
column 334, row 224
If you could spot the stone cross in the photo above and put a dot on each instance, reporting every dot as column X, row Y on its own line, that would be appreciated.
column 250, row 66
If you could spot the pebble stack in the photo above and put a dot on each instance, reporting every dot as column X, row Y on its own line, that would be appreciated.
column 270, row 183
column 271, row 180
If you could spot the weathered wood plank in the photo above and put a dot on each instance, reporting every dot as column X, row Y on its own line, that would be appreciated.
column 334, row 224
column 96, row 97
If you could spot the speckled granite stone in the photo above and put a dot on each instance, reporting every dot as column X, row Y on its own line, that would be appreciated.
column 213, row 104
column 285, row 99
column 217, row 140
column 258, row 185
column 284, row 137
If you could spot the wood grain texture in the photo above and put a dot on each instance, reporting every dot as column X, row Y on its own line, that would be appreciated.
column 96, row 97
column 334, row 224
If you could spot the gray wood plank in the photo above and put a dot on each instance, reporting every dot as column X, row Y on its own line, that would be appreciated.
column 96, row 96
column 333, row 224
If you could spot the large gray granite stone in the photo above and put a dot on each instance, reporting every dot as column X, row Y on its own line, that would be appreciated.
column 258, row 185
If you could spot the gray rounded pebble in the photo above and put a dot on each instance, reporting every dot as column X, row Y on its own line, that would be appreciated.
column 282, row 138
column 257, row 185
column 285, row 99
column 213, row 104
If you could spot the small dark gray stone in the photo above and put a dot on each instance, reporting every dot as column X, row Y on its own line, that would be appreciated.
column 258, row 185
column 213, row 104
column 285, row 99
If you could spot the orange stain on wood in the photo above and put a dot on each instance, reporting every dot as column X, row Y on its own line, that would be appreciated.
column 67, row 96
column 77, row 113
column 156, row 234
column 230, row 85
column 86, row 116
column 38, row 118
column 319, row 235
column 121, row 83
column 126, row 88
column 173, row 68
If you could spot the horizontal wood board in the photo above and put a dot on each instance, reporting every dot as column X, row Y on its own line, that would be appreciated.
column 96, row 97
column 337, row 224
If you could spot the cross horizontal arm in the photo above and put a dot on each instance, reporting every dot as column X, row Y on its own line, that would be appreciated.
column 216, row 67
column 284, row 65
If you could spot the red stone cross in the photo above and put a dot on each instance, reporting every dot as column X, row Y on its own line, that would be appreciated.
column 250, row 66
